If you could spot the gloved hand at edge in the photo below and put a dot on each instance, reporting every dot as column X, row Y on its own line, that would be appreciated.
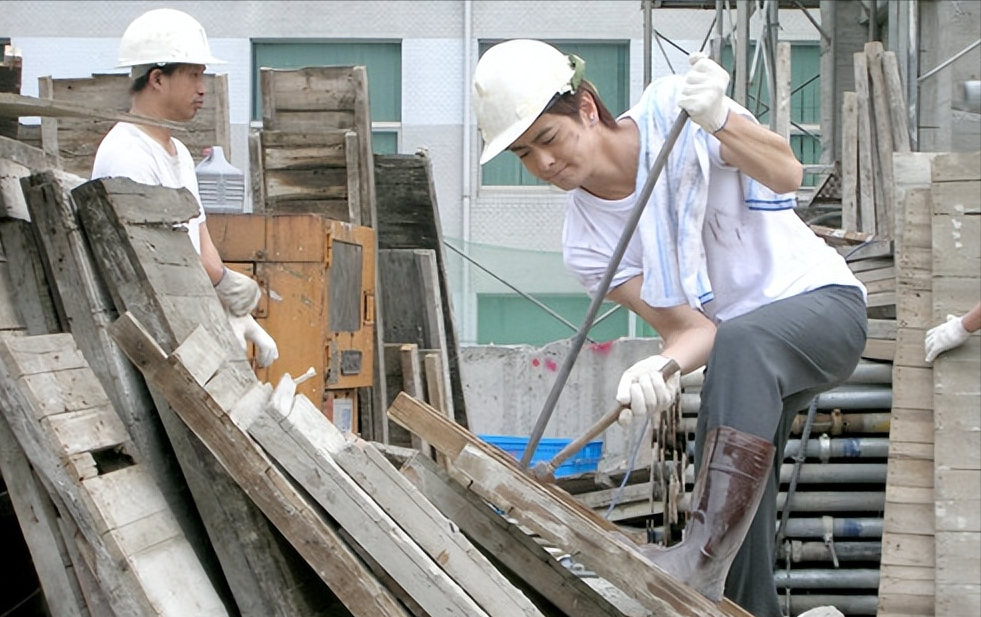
column 703, row 94
column 238, row 293
column 947, row 335
column 643, row 389
column 246, row 329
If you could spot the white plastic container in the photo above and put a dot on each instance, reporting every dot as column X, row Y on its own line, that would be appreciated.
column 221, row 185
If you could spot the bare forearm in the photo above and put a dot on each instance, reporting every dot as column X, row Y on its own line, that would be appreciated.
column 760, row 153
column 210, row 258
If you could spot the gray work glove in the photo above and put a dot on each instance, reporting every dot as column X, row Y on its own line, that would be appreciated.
column 238, row 293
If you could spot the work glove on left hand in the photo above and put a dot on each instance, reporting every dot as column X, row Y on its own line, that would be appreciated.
column 946, row 336
column 246, row 329
column 703, row 95
column 643, row 389
column 238, row 293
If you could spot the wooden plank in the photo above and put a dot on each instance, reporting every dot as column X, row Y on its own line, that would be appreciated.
column 553, row 513
column 866, row 164
column 25, row 295
column 118, row 507
column 76, row 140
column 885, row 209
column 849, row 162
column 288, row 441
column 38, row 520
column 896, row 95
column 293, row 514
column 358, row 472
column 954, row 166
column 409, row 218
column 543, row 576
column 88, row 307
column 152, row 270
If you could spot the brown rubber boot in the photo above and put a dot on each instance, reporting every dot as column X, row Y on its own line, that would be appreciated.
column 727, row 491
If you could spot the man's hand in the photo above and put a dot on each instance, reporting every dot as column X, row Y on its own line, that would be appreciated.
column 643, row 389
column 704, row 91
column 238, row 293
column 246, row 329
column 947, row 335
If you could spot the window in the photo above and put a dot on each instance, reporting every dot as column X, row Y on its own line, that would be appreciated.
column 607, row 68
column 383, row 62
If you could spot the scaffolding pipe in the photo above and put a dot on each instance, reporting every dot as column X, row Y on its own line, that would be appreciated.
column 834, row 423
column 804, row 552
column 825, row 449
column 823, row 474
column 822, row 501
column 856, row 396
column 844, row 578
column 849, row 605
column 871, row 373
column 841, row 527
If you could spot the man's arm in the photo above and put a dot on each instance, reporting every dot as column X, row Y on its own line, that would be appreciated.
column 210, row 258
column 759, row 153
column 688, row 334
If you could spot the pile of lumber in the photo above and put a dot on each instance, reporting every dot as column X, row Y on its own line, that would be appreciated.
column 154, row 474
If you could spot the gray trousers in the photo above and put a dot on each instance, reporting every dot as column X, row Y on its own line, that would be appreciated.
column 765, row 367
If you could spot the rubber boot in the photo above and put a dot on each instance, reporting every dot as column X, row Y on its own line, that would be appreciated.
column 727, row 491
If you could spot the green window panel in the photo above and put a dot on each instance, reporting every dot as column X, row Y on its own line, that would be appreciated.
column 382, row 61
column 607, row 68
column 508, row 319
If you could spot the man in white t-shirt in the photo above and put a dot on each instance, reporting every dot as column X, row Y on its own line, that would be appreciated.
column 719, row 264
column 167, row 51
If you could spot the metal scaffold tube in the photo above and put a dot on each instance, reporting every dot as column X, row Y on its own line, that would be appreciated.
column 824, row 474
column 849, row 605
column 821, row 501
column 832, row 423
column 803, row 552
column 843, row 578
column 845, row 527
column 825, row 448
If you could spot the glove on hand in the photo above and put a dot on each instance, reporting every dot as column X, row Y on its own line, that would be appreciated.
column 704, row 91
column 643, row 389
column 246, row 329
column 238, row 293
column 946, row 336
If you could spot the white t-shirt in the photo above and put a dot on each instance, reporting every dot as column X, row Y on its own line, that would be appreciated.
column 753, row 257
column 127, row 152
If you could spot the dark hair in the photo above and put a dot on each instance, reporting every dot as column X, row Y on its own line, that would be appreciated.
column 140, row 82
column 570, row 103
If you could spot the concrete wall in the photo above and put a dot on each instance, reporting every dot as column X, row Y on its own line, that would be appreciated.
column 506, row 387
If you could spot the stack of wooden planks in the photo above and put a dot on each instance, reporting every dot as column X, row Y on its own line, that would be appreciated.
column 932, row 526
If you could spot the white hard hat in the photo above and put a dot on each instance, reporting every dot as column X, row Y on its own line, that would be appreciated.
column 165, row 36
column 513, row 83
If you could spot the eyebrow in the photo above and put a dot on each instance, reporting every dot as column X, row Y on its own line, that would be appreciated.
column 536, row 139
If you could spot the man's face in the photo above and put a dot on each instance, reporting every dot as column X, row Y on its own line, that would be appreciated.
column 183, row 92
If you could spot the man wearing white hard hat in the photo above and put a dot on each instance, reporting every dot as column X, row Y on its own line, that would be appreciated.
column 167, row 51
column 720, row 265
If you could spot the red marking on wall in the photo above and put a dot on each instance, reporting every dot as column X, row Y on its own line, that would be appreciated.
column 551, row 365
column 602, row 348
column 535, row 362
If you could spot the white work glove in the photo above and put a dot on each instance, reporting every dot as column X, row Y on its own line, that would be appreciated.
column 643, row 390
column 946, row 336
column 238, row 293
column 703, row 95
column 246, row 329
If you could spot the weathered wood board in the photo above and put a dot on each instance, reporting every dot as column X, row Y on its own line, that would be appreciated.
column 956, row 288
column 63, row 419
column 553, row 514
column 151, row 270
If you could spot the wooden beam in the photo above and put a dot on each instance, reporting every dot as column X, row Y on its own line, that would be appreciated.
column 553, row 513
column 202, row 409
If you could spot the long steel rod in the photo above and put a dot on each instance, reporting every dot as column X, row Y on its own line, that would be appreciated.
column 604, row 286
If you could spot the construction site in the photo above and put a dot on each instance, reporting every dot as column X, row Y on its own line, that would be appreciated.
column 432, row 355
